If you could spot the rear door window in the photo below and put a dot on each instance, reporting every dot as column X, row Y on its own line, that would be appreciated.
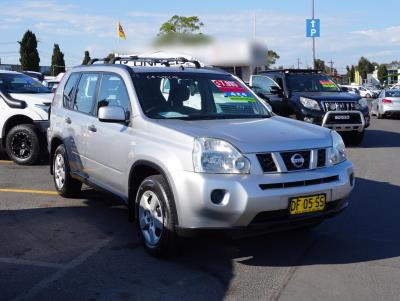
column 69, row 90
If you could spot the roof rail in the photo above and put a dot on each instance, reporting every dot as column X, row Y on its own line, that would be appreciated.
column 92, row 61
column 151, row 61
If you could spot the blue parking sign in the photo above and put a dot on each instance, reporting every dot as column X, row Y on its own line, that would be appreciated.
column 312, row 28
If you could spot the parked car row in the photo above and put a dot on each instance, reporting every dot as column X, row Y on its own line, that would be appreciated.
column 186, row 148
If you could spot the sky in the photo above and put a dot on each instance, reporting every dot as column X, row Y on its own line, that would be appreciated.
column 349, row 28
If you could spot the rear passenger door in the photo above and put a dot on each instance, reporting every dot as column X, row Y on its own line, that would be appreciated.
column 109, row 143
column 79, row 110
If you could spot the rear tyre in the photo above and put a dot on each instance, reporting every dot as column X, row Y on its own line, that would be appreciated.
column 368, row 95
column 23, row 145
column 65, row 185
column 156, row 217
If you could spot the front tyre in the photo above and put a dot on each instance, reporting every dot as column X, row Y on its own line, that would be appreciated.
column 65, row 185
column 156, row 217
column 23, row 145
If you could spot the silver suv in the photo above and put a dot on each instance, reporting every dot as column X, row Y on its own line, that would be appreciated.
column 191, row 148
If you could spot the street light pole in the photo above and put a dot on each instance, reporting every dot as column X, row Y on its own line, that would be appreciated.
column 313, row 38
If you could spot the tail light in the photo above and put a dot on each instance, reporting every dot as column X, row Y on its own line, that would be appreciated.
column 386, row 101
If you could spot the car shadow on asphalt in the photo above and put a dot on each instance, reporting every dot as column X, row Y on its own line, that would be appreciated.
column 380, row 139
column 366, row 231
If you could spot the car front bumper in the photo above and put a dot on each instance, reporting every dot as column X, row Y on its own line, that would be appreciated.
column 245, row 200
column 320, row 118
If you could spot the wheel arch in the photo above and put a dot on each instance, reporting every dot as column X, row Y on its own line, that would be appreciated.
column 13, row 121
column 55, row 142
column 140, row 170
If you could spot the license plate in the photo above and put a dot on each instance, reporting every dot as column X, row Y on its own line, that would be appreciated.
column 306, row 204
column 342, row 117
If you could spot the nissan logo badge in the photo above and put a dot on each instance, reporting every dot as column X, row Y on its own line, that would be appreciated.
column 297, row 160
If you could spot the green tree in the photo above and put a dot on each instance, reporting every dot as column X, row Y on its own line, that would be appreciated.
column 180, row 29
column 319, row 65
column 29, row 56
column 57, row 61
column 110, row 56
column 382, row 73
column 272, row 56
column 352, row 73
column 180, row 24
column 364, row 67
column 86, row 58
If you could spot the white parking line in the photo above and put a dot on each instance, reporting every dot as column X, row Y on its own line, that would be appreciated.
column 62, row 271
column 31, row 262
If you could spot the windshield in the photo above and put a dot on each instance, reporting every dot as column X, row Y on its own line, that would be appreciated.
column 195, row 96
column 21, row 83
column 393, row 93
column 311, row 83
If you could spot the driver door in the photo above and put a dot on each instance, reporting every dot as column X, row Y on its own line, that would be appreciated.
column 269, row 90
column 109, row 143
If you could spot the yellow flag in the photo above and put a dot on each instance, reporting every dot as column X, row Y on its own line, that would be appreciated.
column 121, row 32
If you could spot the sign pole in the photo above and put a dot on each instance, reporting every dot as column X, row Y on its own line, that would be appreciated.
column 313, row 38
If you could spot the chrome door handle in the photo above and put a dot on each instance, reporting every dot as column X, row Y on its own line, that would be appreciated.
column 92, row 128
column 68, row 120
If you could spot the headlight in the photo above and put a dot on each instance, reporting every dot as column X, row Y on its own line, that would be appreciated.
column 363, row 103
column 310, row 103
column 218, row 156
column 338, row 151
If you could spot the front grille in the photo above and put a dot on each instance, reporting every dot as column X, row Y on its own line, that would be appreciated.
column 338, row 106
column 321, row 160
column 353, row 118
column 266, row 162
column 299, row 183
column 293, row 160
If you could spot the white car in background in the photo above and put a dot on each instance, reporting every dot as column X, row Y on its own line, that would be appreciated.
column 24, row 112
column 365, row 93
column 388, row 103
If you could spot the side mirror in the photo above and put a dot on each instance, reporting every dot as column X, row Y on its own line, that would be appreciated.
column 262, row 95
column 113, row 114
column 276, row 90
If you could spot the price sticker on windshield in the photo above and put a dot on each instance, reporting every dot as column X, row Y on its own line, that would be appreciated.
column 327, row 83
column 228, row 86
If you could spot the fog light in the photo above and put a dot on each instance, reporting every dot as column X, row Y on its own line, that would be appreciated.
column 218, row 196
column 309, row 119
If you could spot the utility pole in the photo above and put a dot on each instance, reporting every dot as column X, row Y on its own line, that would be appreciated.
column 298, row 63
column 255, row 26
column 313, row 38
column 331, row 63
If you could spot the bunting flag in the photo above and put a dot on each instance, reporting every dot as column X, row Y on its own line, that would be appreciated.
column 121, row 32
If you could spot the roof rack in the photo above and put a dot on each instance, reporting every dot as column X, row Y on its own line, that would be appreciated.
column 289, row 70
column 92, row 61
column 148, row 61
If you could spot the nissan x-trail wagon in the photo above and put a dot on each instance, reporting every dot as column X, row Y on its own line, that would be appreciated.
column 191, row 148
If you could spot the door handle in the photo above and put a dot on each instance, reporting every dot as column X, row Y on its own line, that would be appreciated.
column 68, row 120
column 92, row 128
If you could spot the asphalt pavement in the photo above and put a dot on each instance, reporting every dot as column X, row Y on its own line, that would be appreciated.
column 85, row 249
